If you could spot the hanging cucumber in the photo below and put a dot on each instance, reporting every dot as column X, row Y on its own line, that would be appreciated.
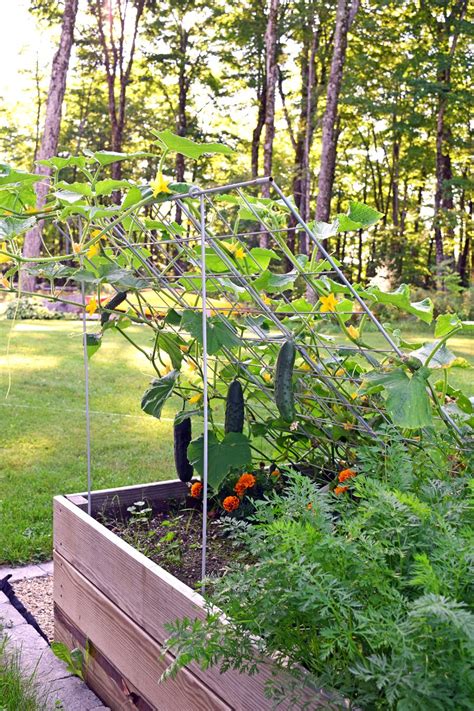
column 234, row 408
column 182, row 437
column 112, row 304
column 284, row 396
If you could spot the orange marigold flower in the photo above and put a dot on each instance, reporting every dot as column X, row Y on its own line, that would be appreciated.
column 275, row 472
column 231, row 503
column 346, row 474
column 196, row 490
column 240, row 488
column 309, row 506
column 247, row 481
column 340, row 490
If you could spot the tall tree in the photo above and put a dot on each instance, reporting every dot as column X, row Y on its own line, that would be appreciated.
column 345, row 15
column 115, row 27
column 447, row 30
column 52, row 125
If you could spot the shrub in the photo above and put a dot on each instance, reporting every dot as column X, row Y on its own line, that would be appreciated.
column 26, row 309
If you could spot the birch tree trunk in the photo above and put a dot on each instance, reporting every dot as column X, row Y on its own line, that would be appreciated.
column 345, row 14
column 52, row 125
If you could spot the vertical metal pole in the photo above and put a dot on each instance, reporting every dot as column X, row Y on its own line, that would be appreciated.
column 204, row 376
column 88, row 415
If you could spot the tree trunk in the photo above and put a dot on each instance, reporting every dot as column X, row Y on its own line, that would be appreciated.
column 52, row 125
column 345, row 15
column 271, row 36
column 447, row 37
column 117, row 66
column 257, row 131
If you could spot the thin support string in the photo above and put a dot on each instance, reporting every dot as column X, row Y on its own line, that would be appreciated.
column 205, row 384
column 88, row 414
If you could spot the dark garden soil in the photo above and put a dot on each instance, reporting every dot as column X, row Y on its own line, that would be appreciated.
column 173, row 540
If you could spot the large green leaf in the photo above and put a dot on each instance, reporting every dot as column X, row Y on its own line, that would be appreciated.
column 407, row 399
column 169, row 343
column 401, row 299
column 219, row 331
column 275, row 283
column 59, row 163
column 189, row 148
column 108, row 157
column 106, row 187
column 11, row 226
column 156, row 395
column 233, row 452
column 443, row 358
column 446, row 323
column 364, row 215
column 93, row 343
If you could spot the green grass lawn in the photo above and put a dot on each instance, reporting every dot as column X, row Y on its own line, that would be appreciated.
column 42, row 433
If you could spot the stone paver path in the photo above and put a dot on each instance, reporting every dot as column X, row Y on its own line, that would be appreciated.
column 59, row 688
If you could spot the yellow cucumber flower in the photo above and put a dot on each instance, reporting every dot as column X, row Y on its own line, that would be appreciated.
column 92, row 306
column 195, row 399
column 328, row 303
column 353, row 332
column 93, row 251
column 160, row 184
column 3, row 257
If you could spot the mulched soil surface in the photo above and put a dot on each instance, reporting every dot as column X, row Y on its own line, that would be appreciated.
column 173, row 540
column 36, row 594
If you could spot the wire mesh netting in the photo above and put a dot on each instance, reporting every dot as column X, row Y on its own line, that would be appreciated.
column 229, row 258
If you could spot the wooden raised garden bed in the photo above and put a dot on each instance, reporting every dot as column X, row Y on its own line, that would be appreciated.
column 113, row 602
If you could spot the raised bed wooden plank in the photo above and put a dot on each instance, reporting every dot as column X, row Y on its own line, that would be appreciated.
column 127, row 646
column 109, row 684
column 146, row 592
column 127, row 495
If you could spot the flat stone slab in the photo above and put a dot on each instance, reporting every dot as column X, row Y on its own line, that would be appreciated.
column 56, row 687
column 26, row 571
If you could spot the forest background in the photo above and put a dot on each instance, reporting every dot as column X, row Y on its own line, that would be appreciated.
column 339, row 100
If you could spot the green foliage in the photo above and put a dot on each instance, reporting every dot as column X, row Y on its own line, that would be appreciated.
column 232, row 452
column 17, row 689
column 73, row 658
column 29, row 309
column 370, row 594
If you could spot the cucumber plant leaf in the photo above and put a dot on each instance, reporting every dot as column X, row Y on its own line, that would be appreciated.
column 407, row 399
column 189, row 148
column 219, row 331
column 233, row 452
column 401, row 299
column 155, row 397
column 446, row 323
column 443, row 358
column 93, row 343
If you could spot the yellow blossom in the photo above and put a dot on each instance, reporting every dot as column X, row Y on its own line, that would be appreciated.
column 353, row 396
column 76, row 248
column 96, row 233
column 184, row 348
column 93, row 251
column 7, row 213
column 5, row 283
column 267, row 377
column 3, row 257
column 339, row 372
column 305, row 367
column 160, row 184
column 31, row 210
column 353, row 332
column 239, row 253
column 328, row 303
column 195, row 399
column 266, row 300
column 92, row 306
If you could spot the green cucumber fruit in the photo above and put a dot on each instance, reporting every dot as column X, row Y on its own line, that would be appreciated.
column 234, row 408
column 284, row 396
column 112, row 304
column 182, row 437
